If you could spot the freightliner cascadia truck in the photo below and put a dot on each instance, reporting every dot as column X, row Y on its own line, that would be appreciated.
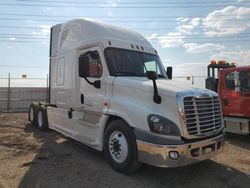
column 110, row 91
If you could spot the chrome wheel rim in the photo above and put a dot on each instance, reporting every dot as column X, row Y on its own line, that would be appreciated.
column 118, row 146
column 40, row 119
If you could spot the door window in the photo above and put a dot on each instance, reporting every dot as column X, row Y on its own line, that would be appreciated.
column 230, row 81
column 245, row 81
column 95, row 66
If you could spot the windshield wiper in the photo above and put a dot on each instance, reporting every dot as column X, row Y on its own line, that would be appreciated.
column 126, row 73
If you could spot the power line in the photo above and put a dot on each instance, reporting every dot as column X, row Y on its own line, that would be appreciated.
column 154, row 41
column 142, row 29
column 19, row 37
column 126, row 21
column 203, row 37
column 120, row 7
column 43, row 35
column 201, row 42
column 16, row 41
column 21, row 27
column 134, row 2
column 116, row 17
column 18, row 34
column 164, row 37
column 23, row 66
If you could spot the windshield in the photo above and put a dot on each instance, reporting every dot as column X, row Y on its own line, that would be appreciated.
column 123, row 62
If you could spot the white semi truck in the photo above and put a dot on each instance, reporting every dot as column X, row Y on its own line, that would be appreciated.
column 109, row 90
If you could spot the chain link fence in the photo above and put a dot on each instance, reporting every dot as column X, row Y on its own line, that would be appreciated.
column 16, row 94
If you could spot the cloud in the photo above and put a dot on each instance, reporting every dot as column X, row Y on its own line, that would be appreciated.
column 182, row 19
column 241, row 57
column 186, row 25
column 152, row 36
column 228, row 21
column 43, row 32
column 45, row 29
column 184, row 28
column 12, row 38
column 195, row 48
column 171, row 40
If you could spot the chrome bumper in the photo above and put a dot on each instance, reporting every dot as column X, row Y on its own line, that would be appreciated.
column 158, row 155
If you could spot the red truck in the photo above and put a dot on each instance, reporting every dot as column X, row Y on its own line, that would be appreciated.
column 233, row 86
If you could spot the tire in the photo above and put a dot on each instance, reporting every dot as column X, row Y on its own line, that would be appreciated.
column 32, row 116
column 42, row 120
column 120, row 147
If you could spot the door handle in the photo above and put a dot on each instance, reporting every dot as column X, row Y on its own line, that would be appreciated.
column 82, row 98
column 70, row 113
column 225, row 102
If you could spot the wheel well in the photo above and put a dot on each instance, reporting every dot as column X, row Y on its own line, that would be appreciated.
column 112, row 118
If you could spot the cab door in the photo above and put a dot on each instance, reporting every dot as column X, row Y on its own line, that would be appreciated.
column 234, row 103
column 92, row 96
column 244, row 77
column 229, row 97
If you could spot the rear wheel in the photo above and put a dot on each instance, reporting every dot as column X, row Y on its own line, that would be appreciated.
column 32, row 116
column 120, row 147
column 42, row 120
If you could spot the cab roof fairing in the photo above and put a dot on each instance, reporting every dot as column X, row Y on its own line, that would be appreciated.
column 81, row 32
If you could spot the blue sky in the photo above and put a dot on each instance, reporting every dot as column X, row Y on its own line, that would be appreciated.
column 187, row 34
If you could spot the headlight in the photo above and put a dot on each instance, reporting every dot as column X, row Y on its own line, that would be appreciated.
column 161, row 125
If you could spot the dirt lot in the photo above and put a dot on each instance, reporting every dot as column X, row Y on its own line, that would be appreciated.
column 30, row 158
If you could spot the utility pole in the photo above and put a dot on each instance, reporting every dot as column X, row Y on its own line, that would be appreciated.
column 8, row 95
column 47, row 89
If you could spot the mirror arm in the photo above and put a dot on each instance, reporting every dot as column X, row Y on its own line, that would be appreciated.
column 88, row 81
column 157, row 97
column 96, row 84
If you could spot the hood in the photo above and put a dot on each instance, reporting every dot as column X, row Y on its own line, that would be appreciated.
column 165, row 87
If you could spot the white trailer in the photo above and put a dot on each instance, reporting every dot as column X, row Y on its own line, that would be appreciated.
column 109, row 90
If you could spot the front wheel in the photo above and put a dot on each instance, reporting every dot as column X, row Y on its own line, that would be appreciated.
column 120, row 147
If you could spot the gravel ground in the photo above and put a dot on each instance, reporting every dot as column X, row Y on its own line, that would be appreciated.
column 30, row 158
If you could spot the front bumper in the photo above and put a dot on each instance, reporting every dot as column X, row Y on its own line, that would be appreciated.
column 158, row 155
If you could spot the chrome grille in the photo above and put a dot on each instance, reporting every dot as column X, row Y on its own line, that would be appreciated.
column 202, row 115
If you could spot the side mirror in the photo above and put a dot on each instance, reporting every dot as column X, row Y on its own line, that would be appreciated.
column 237, row 81
column 152, row 75
column 169, row 72
column 83, row 66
